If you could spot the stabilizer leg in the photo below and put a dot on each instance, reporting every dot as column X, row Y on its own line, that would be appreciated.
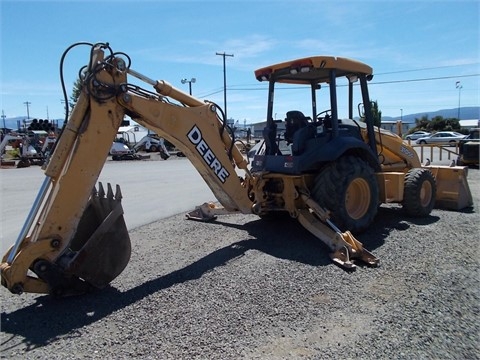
column 345, row 248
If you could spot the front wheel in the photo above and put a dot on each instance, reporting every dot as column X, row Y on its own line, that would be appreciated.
column 348, row 188
column 419, row 192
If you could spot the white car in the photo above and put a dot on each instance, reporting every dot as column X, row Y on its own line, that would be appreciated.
column 417, row 135
column 442, row 137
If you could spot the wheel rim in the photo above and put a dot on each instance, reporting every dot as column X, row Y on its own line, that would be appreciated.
column 357, row 198
column 425, row 193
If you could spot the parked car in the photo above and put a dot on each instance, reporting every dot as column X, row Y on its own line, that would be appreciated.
column 469, row 149
column 442, row 138
column 417, row 135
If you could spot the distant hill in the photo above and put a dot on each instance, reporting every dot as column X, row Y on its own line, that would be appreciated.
column 466, row 113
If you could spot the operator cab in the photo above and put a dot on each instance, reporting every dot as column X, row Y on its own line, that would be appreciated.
column 313, row 139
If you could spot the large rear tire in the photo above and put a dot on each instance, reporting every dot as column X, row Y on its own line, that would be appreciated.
column 348, row 188
column 419, row 192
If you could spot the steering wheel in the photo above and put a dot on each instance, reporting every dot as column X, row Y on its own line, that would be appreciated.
column 326, row 112
column 319, row 119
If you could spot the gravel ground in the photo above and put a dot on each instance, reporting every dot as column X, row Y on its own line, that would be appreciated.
column 243, row 288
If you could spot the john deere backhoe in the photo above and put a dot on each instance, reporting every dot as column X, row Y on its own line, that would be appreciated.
column 332, row 176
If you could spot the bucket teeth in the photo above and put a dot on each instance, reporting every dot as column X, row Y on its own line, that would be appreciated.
column 109, row 192
column 118, row 193
column 101, row 190
column 100, row 193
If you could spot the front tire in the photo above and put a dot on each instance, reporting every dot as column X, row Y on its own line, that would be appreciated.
column 348, row 188
column 419, row 192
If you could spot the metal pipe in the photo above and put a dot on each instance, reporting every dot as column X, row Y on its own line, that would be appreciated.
column 30, row 218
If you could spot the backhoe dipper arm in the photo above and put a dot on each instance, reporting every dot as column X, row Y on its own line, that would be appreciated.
column 71, row 174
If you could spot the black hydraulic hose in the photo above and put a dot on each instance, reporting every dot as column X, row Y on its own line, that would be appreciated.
column 222, row 129
column 62, row 79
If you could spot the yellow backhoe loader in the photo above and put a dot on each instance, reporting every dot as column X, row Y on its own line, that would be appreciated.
column 332, row 175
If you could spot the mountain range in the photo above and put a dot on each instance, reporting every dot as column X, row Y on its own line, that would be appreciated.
column 466, row 113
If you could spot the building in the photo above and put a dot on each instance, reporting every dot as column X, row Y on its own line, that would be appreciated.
column 469, row 124
column 257, row 129
column 132, row 134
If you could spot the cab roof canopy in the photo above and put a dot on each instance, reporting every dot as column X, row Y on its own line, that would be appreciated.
column 312, row 70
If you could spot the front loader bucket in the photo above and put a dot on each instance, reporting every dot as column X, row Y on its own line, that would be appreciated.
column 453, row 191
column 100, row 249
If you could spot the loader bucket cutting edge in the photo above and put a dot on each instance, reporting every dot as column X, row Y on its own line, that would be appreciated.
column 100, row 249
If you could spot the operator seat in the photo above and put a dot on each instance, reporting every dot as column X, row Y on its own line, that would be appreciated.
column 294, row 121
column 298, row 130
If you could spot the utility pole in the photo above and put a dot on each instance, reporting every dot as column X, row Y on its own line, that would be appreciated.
column 3, row 118
column 224, row 83
column 27, row 103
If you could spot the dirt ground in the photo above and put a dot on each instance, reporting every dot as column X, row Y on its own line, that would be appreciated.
column 244, row 288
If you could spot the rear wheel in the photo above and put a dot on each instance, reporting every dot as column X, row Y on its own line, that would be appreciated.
column 419, row 192
column 348, row 188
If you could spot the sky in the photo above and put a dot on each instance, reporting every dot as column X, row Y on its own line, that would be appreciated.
column 425, row 54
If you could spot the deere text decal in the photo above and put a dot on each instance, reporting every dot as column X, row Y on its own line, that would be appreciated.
column 195, row 137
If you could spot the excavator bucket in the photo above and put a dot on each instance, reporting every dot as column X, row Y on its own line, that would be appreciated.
column 100, row 249
column 453, row 192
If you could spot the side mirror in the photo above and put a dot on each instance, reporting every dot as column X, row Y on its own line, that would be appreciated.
column 361, row 111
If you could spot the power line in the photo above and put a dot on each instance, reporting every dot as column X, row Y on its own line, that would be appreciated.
column 261, row 86
column 424, row 79
column 423, row 69
column 264, row 87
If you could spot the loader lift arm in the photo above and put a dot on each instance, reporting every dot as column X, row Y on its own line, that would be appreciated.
column 75, row 238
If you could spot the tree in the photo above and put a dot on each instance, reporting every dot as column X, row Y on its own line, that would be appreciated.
column 422, row 123
column 77, row 89
column 452, row 124
column 376, row 114
column 438, row 123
